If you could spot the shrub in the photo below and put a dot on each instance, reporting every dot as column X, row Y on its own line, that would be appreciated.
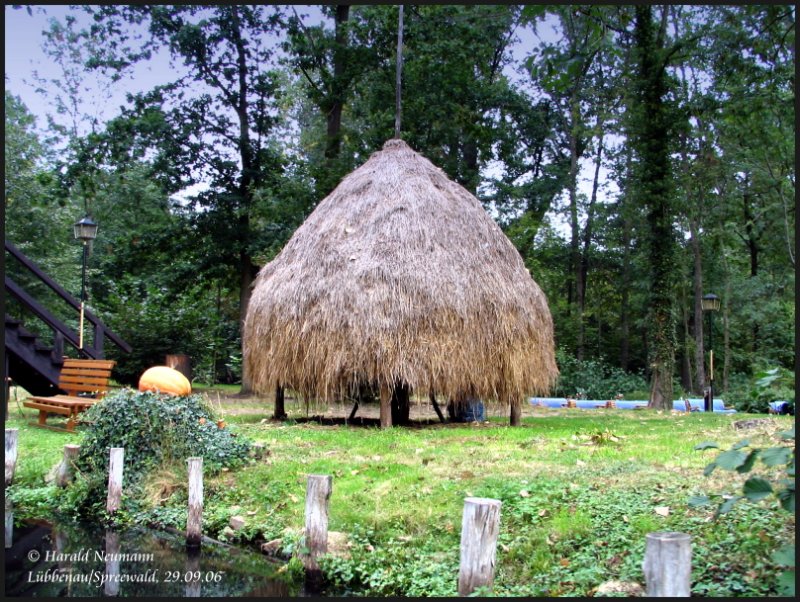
column 155, row 430
column 594, row 379
column 773, row 384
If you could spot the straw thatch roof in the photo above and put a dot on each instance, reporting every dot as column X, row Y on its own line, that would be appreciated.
column 399, row 275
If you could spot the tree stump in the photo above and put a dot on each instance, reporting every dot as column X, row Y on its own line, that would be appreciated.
column 194, row 518
column 667, row 565
column 315, row 540
column 480, row 525
column 66, row 469
column 116, row 461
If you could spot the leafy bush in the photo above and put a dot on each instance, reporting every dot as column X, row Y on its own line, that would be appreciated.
column 155, row 430
column 594, row 379
column 757, row 488
column 773, row 384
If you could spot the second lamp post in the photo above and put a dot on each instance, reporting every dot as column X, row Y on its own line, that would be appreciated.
column 710, row 304
column 85, row 230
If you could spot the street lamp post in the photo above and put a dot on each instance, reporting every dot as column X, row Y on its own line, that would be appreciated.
column 710, row 304
column 85, row 230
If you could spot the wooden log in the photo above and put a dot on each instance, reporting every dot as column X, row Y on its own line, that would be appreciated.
column 194, row 519
column 116, row 462
column 192, row 573
column 353, row 412
column 667, row 564
column 480, row 525
column 11, row 454
column 516, row 412
column 112, row 577
column 386, row 407
column 182, row 363
column 318, row 493
column 280, row 409
column 66, row 469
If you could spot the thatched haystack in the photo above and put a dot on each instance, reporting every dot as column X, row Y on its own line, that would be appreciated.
column 398, row 279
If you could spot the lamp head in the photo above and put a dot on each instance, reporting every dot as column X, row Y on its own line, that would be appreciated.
column 85, row 229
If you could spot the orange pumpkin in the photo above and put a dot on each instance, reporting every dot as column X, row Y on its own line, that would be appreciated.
column 164, row 380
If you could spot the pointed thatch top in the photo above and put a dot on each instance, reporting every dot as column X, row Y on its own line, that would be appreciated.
column 399, row 275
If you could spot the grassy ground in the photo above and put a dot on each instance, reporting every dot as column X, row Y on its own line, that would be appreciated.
column 580, row 490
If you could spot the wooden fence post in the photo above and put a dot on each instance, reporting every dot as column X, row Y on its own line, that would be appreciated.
column 318, row 492
column 66, row 468
column 667, row 565
column 11, row 454
column 111, row 587
column 116, row 461
column 194, row 520
column 480, row 525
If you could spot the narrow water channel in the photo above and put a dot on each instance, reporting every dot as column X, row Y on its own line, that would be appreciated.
column 67, row 560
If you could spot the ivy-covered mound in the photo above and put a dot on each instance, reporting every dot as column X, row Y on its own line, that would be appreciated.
column 156, row 431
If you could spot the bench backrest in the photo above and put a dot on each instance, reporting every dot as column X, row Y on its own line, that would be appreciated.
column 85, row 376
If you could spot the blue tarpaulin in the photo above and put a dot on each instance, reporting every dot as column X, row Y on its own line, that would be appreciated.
column 694, row 405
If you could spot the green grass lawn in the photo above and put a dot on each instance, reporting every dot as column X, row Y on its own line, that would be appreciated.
column 580, row 490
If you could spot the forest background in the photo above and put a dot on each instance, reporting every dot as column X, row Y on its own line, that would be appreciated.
column 638, row 158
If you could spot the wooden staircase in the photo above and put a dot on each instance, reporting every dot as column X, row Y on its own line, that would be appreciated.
column 30, row 363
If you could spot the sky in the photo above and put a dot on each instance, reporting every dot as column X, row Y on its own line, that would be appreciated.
column 25, row 60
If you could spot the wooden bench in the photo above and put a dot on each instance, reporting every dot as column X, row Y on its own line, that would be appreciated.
column 85, row 383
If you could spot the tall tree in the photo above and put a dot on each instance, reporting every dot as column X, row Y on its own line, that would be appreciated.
column 222, row 134
column 651, row 136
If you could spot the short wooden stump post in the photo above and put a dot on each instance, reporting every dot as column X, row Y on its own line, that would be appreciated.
column 318, row 493
column 11, row 454
column 480, row 526
column 116, row 462
column 194, row 518
column 66, row 469
column 667, row 564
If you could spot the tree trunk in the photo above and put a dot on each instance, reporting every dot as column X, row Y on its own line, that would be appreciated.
column 625, row 285
column 583, row 269
column 652, row 144
column 247, row 276
column 686, row 365
column 338, row 91
column 574, row 254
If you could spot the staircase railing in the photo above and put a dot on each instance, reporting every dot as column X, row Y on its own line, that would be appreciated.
column 61, row 332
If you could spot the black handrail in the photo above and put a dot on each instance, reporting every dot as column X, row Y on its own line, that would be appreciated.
column 70, row 336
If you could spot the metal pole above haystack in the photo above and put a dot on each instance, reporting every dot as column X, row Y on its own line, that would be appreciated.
column 399, row 72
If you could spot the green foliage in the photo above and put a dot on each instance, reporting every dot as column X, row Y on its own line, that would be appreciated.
column 593, row 379
column 156, row 430
column 396, row 567
column 157, row 321
column 773, row 384
column 741, row 458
